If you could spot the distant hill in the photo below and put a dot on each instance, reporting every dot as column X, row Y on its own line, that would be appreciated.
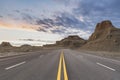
column 5, row 44
column 72, row 41
column 106, row 37
column 7, row 47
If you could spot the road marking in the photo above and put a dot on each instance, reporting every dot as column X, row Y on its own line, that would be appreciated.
column 59, row 68
column 15, row 65
column 64, row 68
column 62, row 64
column 106, row 67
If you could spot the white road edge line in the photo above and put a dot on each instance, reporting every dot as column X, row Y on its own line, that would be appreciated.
column 15, row 65
column 106, row 66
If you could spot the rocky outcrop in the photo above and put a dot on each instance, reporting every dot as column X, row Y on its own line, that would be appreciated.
column 5, row 44
column 106, row 37
column 102, row 30
column 73, row 41
column 6, row 47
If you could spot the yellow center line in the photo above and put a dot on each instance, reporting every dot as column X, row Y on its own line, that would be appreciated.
column 59, row 68
column 62, row 64
column 65, row 71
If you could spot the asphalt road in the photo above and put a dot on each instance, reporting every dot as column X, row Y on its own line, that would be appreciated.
column 61, row 64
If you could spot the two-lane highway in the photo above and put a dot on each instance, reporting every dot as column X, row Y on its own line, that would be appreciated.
column 63, row 64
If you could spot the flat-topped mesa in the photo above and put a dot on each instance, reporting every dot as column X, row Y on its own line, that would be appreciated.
column 102, row 30
column 71, row 41
column 73, row 37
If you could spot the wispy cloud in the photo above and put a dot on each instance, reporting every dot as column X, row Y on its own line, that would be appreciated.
column 63, row 17
column 64, row 23
column 97, row 7
column 17, row 11
column 1, row 16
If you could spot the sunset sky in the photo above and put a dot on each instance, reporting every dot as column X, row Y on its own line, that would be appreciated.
column 51, row 20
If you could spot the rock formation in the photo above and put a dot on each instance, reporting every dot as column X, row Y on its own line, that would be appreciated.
column 5, row 44
column 72, row 41
column 106, row 37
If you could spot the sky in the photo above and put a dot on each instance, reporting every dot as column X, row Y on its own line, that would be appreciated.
column 52, row 20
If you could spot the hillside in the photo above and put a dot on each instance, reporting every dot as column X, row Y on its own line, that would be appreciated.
column 106, row 37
